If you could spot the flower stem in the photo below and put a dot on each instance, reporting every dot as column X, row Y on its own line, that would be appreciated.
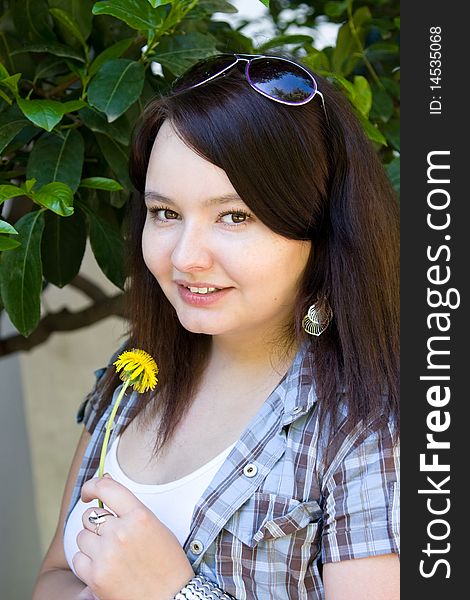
column 109, row 428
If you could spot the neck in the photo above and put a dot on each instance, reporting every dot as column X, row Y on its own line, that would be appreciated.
column 251, row 353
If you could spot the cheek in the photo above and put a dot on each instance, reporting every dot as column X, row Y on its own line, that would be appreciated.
column 153, row 250
column 281, row 264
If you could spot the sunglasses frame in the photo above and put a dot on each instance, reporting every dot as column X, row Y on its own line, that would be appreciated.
column 249, row 59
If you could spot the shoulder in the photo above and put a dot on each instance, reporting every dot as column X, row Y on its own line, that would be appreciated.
column 342, row 436
column 91, row 409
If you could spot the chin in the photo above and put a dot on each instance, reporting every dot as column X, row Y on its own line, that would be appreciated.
column 198, row 327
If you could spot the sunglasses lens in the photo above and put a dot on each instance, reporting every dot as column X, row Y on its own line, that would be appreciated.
column 281, row 80
column 202, row 71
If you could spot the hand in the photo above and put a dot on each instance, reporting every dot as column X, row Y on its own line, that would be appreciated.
column 132, row 555
column 86, row 594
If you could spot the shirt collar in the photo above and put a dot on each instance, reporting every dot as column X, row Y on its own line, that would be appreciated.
column 299, row 386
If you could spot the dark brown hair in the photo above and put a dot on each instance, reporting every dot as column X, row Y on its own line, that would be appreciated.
column 306, row 178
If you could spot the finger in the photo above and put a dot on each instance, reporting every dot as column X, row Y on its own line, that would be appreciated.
column 88, row 543
column 95, row 519
column 115, row 495
column 82, row 565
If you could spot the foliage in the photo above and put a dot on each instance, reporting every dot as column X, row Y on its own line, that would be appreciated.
column 75, row 74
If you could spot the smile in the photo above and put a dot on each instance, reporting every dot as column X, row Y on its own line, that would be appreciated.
column 203, row 290
column 201, row 295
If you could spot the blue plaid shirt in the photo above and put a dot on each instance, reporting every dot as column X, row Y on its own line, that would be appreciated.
column 285, row 501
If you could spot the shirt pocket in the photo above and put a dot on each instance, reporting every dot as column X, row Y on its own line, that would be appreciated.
column 266, row 517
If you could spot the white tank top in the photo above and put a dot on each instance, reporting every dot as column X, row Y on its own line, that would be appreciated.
column 173, row 503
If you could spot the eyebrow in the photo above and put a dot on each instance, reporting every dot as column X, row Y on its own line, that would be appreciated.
column 225, row 199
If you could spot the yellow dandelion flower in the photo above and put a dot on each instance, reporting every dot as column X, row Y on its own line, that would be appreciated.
column 139, row 367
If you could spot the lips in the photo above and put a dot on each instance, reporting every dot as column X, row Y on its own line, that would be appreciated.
column 201, row 293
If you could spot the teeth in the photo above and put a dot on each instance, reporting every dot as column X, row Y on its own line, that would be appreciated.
column 196, row 290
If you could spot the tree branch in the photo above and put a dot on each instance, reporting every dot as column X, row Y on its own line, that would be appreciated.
column 90, row 289
column 64, row 320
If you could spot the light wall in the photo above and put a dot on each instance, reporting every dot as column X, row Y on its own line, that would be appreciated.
column 56, row 377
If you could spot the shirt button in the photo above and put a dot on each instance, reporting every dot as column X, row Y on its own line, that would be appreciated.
column 250, row 470
column 196, row 547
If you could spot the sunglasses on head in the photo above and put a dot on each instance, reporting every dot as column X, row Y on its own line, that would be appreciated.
column 276, row 78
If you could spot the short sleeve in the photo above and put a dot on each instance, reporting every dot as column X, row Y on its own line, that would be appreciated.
column 88, row 413
column 361, row 498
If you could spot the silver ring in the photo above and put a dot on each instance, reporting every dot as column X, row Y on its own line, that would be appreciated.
column 96, row 520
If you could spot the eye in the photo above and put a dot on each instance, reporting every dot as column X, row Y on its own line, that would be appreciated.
column 234, row 217
column 162, row 213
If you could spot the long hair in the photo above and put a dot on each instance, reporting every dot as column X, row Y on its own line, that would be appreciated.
column 306, row 178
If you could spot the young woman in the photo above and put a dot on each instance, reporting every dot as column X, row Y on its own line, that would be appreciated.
column 263, row 278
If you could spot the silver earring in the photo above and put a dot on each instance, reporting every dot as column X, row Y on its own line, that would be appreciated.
column 318, row 317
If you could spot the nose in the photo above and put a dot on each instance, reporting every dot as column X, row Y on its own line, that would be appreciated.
column 192, row 250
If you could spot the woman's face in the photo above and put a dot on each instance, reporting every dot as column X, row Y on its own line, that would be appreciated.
column 222, row 269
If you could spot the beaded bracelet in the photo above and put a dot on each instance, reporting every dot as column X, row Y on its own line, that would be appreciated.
column 201, row 588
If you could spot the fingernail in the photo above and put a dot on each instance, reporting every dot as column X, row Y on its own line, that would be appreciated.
column 107, row 475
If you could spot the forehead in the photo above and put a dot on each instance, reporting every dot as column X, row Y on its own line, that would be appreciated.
column 177, row 171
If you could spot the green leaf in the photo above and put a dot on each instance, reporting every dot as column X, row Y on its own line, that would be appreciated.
column 7, row 228
column 282, row 40
column 114, row 51
column 336, row 9
column 57, row 158
column 31, row 19
column 392, row 87
column 21, row 139
column 52, row 48
column 393, row 172
column 29, row 184
column 73, row 105
column 56, row 196
column 63, row 246
column 5, row 97
column 11, row 82
column 8, row 45
column 118, row 130
column 392, row 133
column 206, row 8
column 43, row 113
column 343, row 59
column 346, row 86
column 7, row 243
column 9, row 191
column 67, row 21
column 107, row 243
column 21, row 274
column 362, row 95
column 372, row 132
column 51, row 67
column 79, row 11
column 155, row 3
column 138, row 14
column 382, row 104
column 116, row 86
column 317, row 61
column 358, row 93
column 101, row 183
column 265, row 2
column 381, row 50
column 12, row 122
column 362, row 16
column 117, row 157
column 177, row 53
